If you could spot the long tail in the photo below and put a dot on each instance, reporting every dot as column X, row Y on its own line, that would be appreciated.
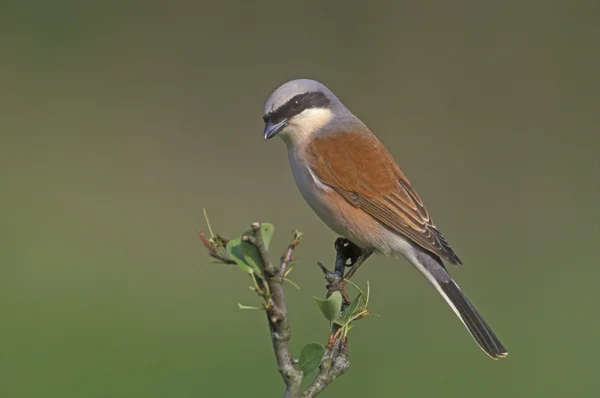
column 433, row 269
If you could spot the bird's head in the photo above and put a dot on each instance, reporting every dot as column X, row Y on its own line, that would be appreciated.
column 298, row 109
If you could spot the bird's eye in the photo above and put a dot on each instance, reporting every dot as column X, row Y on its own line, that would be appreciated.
column 296, row 103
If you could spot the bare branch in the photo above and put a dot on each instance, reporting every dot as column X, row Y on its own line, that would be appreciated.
column 287, row 257
column 277, row 317
column 334, row 364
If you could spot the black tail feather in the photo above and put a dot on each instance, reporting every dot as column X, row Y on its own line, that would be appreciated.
column 477, row 326
column 432, row 267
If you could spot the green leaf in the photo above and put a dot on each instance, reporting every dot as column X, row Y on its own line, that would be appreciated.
column 251, row 256
column 234, row 249
column 222, row 251
column 310, row 357
column 358, row 287
column 247, row 307
column 245, row 254
column 330, row 307
column 267, row 230
column 291, row 282
column 355, row 305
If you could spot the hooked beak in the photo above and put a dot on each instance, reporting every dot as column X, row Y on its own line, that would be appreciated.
column 271, row 129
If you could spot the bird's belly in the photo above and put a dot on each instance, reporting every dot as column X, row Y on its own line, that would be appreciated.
column 339, row 215
column 316, row 195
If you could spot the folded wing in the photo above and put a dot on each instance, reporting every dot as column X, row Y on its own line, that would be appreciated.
column 367, row 176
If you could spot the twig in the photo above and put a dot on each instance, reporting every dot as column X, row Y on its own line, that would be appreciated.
column 335, row 360
column 287, row 257
column 334, row 364
column 212, row 250
column 277, row 318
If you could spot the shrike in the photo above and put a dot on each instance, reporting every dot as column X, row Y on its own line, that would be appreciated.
column 354, row 185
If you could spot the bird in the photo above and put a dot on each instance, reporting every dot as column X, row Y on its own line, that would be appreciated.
column 354, row 185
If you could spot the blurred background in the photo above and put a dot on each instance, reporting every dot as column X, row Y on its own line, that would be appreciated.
column 121, row 120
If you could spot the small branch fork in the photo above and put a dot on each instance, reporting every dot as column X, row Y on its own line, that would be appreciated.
column 277, row 313
column 335, row 359
column 348, row 255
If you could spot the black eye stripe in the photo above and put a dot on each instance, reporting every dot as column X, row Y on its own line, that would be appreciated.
column 300, row 102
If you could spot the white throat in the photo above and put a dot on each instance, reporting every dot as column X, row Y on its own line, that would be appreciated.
column 304, row 125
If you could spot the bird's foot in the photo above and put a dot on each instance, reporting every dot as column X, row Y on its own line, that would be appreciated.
column 348, row 254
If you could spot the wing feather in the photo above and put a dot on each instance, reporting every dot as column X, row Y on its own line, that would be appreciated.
column 366, row 175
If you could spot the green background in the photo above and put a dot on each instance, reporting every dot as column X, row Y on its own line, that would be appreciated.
column 120, row 121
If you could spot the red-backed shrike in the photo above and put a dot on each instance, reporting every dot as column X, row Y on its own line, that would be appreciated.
column 354, row 185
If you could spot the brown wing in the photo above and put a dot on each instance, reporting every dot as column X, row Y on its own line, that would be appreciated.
column 366, row 175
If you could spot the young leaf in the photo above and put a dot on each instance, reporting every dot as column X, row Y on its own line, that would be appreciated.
column 310, row 357
column 291, row 282
column 222, row 251
column 247, row 307
column 330, row 307
column 251, row 256
column 267, row 230
column 245, row 254
column 358, row 287
column 234, row 249
column 355, row 305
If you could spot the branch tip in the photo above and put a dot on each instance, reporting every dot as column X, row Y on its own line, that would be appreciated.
column 323, row 268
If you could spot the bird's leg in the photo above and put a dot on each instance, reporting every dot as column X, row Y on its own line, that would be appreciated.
column 346, row 251
column 365, row 254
